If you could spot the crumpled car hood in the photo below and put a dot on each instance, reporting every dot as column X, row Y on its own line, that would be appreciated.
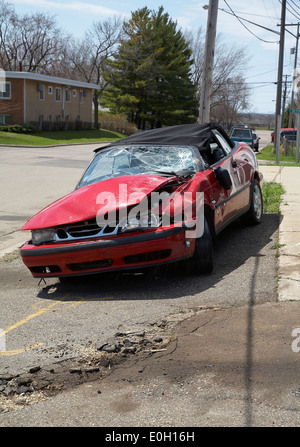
column 81, row 204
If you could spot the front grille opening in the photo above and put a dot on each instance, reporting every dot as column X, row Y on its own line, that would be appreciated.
column 147, row 257
column 108, row 229
column 85, row 230
column 90, row 265
column 62, row 234
column 45, row 269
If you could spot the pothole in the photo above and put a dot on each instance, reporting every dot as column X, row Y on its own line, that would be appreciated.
column 92, row 363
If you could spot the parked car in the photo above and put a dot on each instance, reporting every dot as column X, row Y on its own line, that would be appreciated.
column 289, row 134
column 137, row 204
column 256, row 139
column 242, row 134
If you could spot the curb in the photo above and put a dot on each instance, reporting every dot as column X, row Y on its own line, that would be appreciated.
column 7, row 146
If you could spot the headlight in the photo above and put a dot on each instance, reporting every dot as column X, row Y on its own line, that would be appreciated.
column 145, row 220
column 41, row 236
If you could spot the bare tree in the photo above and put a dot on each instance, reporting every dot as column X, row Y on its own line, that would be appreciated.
column 8, row 19
column 197, row 46
column 87, row 58
column 230, row 93
column 31, row 41
column 230, row 98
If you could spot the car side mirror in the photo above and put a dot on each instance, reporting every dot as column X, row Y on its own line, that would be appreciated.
column 223, row 177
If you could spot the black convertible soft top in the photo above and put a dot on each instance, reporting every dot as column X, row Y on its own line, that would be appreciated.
column 186, row 134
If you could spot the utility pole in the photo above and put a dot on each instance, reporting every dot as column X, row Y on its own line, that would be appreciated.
column 206, row 87
column 294, row 74
column 279, row 81
column 284, row 100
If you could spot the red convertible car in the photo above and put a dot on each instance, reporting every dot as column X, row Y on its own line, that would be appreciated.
column 155, row 197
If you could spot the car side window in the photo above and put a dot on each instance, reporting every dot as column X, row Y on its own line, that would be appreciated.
column 223, row 143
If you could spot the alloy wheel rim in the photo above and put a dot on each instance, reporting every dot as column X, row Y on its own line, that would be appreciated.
column 257, row 202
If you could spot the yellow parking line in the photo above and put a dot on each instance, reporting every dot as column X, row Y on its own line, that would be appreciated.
column 30, row 317
column 20, row 351
column 57, row 305
column 39, row 312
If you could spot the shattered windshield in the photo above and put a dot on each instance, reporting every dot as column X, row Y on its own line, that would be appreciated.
column 141, row 159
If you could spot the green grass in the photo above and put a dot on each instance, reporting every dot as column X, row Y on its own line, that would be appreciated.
column 272, row 196
column 45, row 138
column 268, row 155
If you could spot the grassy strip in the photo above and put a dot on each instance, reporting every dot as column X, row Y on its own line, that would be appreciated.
column 272, row 196
column 58, row 137
column 268, row 155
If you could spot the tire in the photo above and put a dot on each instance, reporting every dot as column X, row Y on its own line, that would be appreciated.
column 254, row 215
column 203, row 257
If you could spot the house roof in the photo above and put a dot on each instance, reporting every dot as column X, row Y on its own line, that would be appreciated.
column 50, row 79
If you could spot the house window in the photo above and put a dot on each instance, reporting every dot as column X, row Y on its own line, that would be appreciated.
column 68, row 95
column 80, row 96
column 74, row 93
column 50, row 90
column 5, row 90
column 42, row 92
column 5, row 119
column 57, row 94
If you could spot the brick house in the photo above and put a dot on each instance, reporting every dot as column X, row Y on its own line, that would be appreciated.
column 47, row 102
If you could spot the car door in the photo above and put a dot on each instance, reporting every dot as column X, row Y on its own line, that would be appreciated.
column 230, row 202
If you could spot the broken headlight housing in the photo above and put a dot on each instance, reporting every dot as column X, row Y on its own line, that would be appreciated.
column 41, row 236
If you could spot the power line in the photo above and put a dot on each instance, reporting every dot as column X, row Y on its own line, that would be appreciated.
column 268, row 12
column 265, row 72
column 293, row 8
column 297, row 16
column 252, row 23
column 260, row 86
column 295, row 4
column 256, row 24
column 261, row 26
column 254, row 15
column 291, row 12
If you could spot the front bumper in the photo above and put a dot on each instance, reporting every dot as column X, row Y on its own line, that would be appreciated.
column 103, row 255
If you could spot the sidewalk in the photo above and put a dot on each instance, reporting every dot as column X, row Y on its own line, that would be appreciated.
column 289, row 230
column 225, row 366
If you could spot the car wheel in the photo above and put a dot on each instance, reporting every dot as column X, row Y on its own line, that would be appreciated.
column 203, row 257
column 254, row 215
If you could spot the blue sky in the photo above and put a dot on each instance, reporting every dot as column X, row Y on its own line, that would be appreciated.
column 262, row 46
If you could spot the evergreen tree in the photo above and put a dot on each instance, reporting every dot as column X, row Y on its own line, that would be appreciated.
column 150, row 75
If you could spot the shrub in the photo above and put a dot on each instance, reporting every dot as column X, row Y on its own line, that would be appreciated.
column 18, row 128
column 116, row 123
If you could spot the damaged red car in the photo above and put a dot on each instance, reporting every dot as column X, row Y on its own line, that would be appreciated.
column 153, row 198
